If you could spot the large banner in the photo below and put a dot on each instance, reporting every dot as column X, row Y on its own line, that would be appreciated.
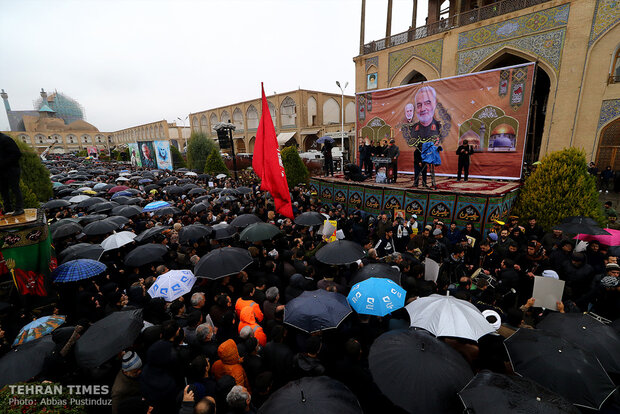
column 164, row 158
column 134, row 153
column 147, row 154
column 487, row 109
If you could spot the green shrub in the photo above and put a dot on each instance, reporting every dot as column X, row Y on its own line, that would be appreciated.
column 34, row 174
column 30, row 199
column 296, row 171
column 177, row 158
column 560, row 187
column 215, row 163
column 199, row 148
column 82, row 153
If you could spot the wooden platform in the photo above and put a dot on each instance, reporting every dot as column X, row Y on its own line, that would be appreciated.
column 29, row 216
column 476, row 201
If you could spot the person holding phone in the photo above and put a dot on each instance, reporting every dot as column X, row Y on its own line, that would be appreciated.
column 464, row 151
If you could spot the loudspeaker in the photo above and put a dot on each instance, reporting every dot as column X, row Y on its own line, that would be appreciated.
column 223, row 138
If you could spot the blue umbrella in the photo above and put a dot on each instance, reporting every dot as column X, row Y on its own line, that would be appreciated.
column 324, row 138
column 145, row 180
column 78, row 269
column 316, row 310
column 376, row 297
column 121, row 193
column 38, row 328
column 155, row 205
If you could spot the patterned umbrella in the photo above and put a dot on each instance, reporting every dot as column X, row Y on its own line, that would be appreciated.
column 155, row 205
column 172, row 285
column 38, row 328
column 78, row 269
column 376, row 296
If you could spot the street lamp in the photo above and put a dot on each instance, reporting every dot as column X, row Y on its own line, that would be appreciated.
column 342, row 123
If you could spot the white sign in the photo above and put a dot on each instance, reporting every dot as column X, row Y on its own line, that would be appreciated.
column 547, row 291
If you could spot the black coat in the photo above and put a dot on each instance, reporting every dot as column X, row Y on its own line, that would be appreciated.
column 9, row 153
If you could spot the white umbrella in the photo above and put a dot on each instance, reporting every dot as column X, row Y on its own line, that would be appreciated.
column 123, row 174
column 172, row 285
column 448, row 316
column 117, row 240
column 78, row 198
column 99, row 186
column 122, row 179
column 84, row 189
column 220, row 176
column 191, row 174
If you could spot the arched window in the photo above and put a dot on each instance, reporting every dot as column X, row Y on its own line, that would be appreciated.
column 349, row 112
column 86, row 139
column 57, row 138
column 252, row 117
column 272, row 112
column 25, row 139
column 615, row 68
column 195, row 127
column 213, row 120
column 331, row 112
column 225, row 116
column 312, row 111
column 39, row 139
column 287, row 112
column 204, row 126
column 71, row 139
column 161, row 132
column 238, row 119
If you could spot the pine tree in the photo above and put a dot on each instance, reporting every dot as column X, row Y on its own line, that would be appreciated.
column 177, row 158
column 198, row 149
column 215, row 164
column 34, row 174
column 559, row 188
column 296, row 171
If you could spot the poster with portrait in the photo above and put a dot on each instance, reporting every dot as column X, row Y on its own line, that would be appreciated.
column 486, row 110
column 371, row 80
column 134, row 154
column 163, row 155
column 147, row 154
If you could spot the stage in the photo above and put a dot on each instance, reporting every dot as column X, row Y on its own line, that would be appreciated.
column 478, row 201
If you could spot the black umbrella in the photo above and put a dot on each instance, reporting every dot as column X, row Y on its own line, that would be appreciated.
column 310, row 218
column 559, row 365
column 198, row 207
column 215, row 190
column 317, row 310
column 64, row 191
column 194, row 232
column 131, row 201
column 120, row 221
column 151, row 187
column 492, row 393
column 259, row 231
column 229, row 191
column 203, row 177
column 244, row 190
column 127, row 211
column 102, row 207
column 380, row 270
column 581, row 228
column 167, row 211
column 184, row 181
column 99, row 227
column 67, row 229
column 190, row 186
column 418, row 372
column 223, row 231
column 81, row 251
column 195, row 191
column 121, row 199
column 107, row 337
column 148, row 234
column 203, row 198
column 91, row 202
column 310, row 395
column 145, row 254
column 92, row 218
column 223, row 262
column 245, row 220
column 133, row 191
column 173, row 189
column 56, row 204
column 26, row 361
column 590, row 334
column 168, row 180
column 340, row 252
column 62, row 222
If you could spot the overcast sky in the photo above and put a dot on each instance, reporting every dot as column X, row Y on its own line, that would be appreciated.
column 133, row 62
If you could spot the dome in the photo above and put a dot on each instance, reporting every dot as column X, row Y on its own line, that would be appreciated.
column 503, row 129
column 65, row 107
column 82, row 126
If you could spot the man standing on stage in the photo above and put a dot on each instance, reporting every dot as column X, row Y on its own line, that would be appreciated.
column 464, row 151
column 9, row 175
column 393, row 152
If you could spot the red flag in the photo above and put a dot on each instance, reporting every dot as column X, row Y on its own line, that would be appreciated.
column 267, row 162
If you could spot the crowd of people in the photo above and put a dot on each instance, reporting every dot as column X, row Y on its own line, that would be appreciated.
column 224, row 347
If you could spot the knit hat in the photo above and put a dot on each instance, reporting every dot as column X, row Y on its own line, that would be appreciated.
column 436, row 232
column 493, row 236
column 131, row 361
column 551, row 274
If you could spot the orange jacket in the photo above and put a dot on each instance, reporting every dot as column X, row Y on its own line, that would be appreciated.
column 229, row 364
column 242, row 303
column 248, row 318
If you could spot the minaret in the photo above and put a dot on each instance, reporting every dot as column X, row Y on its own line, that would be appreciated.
column 44, row 96
column 5, row 98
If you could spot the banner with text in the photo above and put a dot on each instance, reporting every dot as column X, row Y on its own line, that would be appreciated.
column 487, row 110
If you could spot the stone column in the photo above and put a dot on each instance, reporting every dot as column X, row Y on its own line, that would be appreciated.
column 433, row 11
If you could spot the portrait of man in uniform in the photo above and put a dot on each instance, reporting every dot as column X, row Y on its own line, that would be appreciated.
column 428, row 128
